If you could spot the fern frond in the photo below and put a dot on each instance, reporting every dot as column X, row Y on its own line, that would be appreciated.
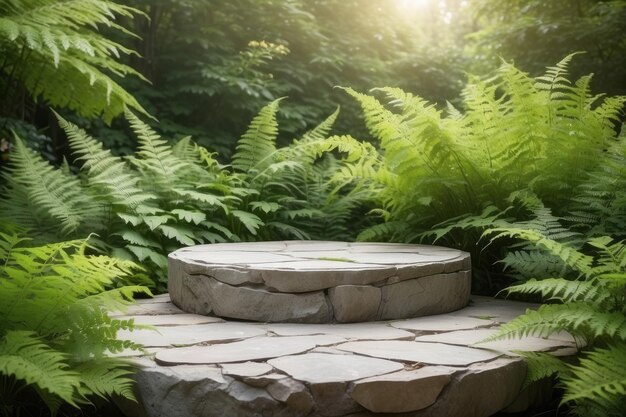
column 106, row 378
column 599, row 378
column 320, row 131
column 39, row 193
column 63, row 43
column 564, row 291
column 543, row 365
column 104, row 170
column 27, row 358
column 568, row 255
column 256, row 147
column 155, row 155
column 581, row 320
column 55, row 328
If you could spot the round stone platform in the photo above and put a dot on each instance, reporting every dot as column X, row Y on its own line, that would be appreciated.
column 204, row 366
column 319, row 282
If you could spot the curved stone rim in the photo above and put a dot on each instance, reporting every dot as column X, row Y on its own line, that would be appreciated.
column 319, row 281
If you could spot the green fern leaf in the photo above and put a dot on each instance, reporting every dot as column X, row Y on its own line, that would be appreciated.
column 257, row 146
column 600, row 378
column 106, row 379
column 49, row 193
column 67, row 53
column 24, row 356
column 249, row 220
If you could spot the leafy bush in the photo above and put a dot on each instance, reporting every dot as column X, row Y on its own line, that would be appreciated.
column 589, row 302
column 147, row 205
column 55, row 334
column 54, row 50
column 214, row 63
column 464, row 170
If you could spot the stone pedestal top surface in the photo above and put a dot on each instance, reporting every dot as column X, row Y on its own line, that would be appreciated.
column 318, row 281
column 421, row 367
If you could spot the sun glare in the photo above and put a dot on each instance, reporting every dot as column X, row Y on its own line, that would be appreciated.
column 411, row 5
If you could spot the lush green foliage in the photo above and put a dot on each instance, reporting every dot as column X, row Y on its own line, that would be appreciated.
column 213, row 64
column 536, row 33
column 55, row 334
column 164, row 197
column 54, row 50
column 590, row 305
column 464, row 170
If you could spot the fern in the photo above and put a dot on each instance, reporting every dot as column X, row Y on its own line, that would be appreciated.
column 55, row 330
column 47, row 43
column 166, row 196
column 119, row 185
column 516, row 135
column 590, row 307
column 52, row 195
column 599, row 381
column 258, row 144
column 25, row 357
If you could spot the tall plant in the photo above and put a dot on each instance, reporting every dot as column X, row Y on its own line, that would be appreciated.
column 56, row 338
column 54, row 50
column 516, row 132
column 165, row 196
column 587, row 299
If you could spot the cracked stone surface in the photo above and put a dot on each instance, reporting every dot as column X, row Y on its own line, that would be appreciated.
column 318, row 282
column 425, row 367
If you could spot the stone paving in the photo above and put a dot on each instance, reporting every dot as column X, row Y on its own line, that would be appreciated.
column 205, row 366
column 319, row 282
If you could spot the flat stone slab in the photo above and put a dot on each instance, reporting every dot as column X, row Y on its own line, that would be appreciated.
column 420, row 352
column 318, row 282
column 361, row 331
column 245, row 350
column 325, row 368
column 442, row 323
column 190, row 335
column 433, row 366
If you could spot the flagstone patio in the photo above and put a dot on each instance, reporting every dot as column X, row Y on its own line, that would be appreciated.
column 205, row 366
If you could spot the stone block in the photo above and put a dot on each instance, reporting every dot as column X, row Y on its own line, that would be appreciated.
column 293, row 393
column 354, row 303
column 403, row 391
column 262, row 305
column 424, row 296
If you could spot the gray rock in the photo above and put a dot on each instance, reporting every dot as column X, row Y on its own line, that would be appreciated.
column 254, row 349
column 189, row 335
column 172, row 319
column 364, row 331
column 246, row 369
column 332, row 399
column 434, row 294
column 263, row 270
column 481, row 391
column 148, row 309
column 322, row 368
column 195, row 295
column 402, row 391
column 255, row 398
column 314, row 275
column 354, row 303
column 183, row 391
column 233, row 276
column 293, row 393
column 442, row 323
column 429, row 353
column 507, row 346
column 263, row 381
column 257, row 304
